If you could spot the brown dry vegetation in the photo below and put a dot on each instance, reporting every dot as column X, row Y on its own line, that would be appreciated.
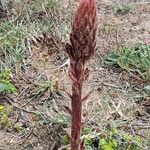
column 39, row 120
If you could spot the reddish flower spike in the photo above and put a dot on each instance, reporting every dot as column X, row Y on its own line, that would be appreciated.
column 80, row 50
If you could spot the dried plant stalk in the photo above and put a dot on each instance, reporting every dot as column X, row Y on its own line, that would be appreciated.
column 80, row 50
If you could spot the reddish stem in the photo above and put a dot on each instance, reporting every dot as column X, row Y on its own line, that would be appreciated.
column 76, row 104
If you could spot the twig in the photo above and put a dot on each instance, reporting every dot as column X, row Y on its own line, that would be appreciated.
column 27, row 136
column 111, row 85
column 53, row 147
column 64, row 147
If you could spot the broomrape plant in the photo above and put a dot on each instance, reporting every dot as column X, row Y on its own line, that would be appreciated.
column 80, row 50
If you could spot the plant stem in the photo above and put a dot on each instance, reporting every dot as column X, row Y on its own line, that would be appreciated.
column 76, row 105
